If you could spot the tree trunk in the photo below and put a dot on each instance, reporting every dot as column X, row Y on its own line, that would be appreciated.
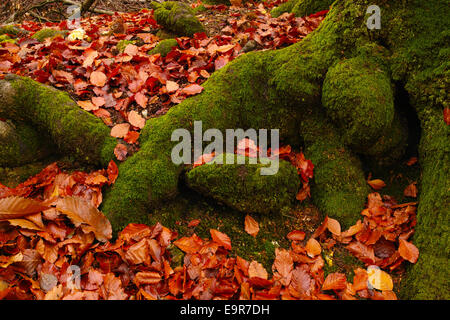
column 333, row 94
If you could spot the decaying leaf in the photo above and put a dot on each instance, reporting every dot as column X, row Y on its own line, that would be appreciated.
column 251, row 226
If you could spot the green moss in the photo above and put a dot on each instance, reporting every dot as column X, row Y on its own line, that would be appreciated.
column 122, row 44
column 339, row 188
column 46, row 33
column 164, row 47
column 177, row 17
column 11, row 177
column 11, row 30
column 358, row 96
column 5, row 38
column 21, row 144
column 301, row 8
column 199, row 9
column 52, row 112
column 242, row 187
column 338, row 259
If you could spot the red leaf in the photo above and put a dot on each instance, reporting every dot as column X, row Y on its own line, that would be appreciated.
column 296, row 235
column 98, row 78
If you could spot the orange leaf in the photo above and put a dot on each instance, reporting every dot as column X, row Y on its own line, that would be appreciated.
column 408, row 251
column 172, row 86
column 255, row 269
column 136, row 119
column 192, row 89
column 251, row 226
column 376, row 184
column 411, row 190
column 81, row 212
column 335, row 281
column 379, row 279
column 98, row 78
column 220, row 238
column 334, row 226
column 190, row 244
column 87, row 105
column 360, row 279
column 120, row 130
column 17, row 207
column 313, row 247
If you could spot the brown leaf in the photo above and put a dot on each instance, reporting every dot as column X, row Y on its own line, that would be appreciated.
column 360, row 279
column 284, row 264
column 256, row 269
column 251, row 226
column 411, row 190
column 87, row 105
column 18, row 207
column 362, row 252
column 335, row 281
column 172, row 86
column 120, row 151
column 220, row 238
column 192, row 89
column 82, row 213
column 334, row 226
column 408, row 251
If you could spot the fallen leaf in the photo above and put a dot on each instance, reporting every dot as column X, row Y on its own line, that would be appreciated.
column 334, row 226
column 98, row 78
column 18, row 207
column 82, row 213
column 251, row 226
column 296, row 235
column 335, row 281
column 284, row 264
column 256, row 270
column 190, row 244
column 408, row 251
column 376, row 184
column 220, row 238
column 313, row 247
column 136, row 119
column 379, row 279
column 411, row 190
column 120, row 130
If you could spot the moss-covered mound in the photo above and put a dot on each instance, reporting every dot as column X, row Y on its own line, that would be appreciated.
column 47, row 33
column 12, row 30
column 20, row 144
column 359, row 98
column 177, row 17
column 243, row 187
column 74, row 131
column 301, row 8
column 164, row 47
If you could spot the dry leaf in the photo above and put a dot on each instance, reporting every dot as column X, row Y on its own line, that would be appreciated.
column 251, row 226
column 335, row 281
column 411, row 190
column 313, row 248
column 334, row 226
column 379, row 279
column 376, row 184
column 82, row 213
column 221, row 238
column 18, row 207
column 256, row 269
column 408, row 251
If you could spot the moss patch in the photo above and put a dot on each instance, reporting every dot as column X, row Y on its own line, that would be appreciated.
column 46, row 33
column 164, row 47
column 177, row 17
column 242, row 187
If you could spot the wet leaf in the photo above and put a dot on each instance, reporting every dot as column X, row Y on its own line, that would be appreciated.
column 221, row 238
column 408, row 251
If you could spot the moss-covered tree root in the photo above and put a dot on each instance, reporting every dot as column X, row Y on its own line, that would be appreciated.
column 177, row 17
column 74, row 131
column 20, row 144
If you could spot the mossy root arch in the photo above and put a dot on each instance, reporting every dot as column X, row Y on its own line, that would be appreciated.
column 298, row 90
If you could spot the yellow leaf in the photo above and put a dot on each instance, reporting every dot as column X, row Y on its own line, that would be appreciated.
column 379, row 279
